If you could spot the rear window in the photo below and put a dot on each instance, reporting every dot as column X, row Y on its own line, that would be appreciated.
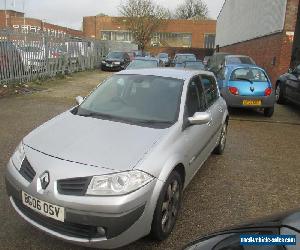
column 239, row 60
column 184, row 58
column 115, row 55
column 142, row 64
column 249, row 74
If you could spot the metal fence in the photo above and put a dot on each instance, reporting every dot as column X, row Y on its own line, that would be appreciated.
column 26, row 56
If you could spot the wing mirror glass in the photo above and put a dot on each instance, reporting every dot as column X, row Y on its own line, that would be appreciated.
column 200, row 118
column 79, row 100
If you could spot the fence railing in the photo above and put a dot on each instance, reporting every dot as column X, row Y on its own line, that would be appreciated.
column 26, row 56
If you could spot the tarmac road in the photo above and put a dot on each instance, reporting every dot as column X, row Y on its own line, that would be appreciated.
column 258, row 175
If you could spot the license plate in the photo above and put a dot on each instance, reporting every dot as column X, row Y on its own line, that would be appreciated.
column 252, row 102
column 44, row 208
column 109, row 65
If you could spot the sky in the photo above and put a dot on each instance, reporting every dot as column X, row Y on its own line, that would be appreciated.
column 70, row 12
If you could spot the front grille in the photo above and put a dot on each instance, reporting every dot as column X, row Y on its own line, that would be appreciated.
column 74, row 186
column 64, row 228
column 27, row 171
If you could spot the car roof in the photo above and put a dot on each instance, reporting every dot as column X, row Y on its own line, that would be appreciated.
column 181, row 74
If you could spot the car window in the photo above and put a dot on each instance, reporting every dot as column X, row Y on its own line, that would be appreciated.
column 135, row 98
column 250, row 74
column 115, row 55
column 239, row 60
column 184, row 58
column 221, row 74
column 195, row 100
column 194, row 65
column 210, row 89
column 142, row 64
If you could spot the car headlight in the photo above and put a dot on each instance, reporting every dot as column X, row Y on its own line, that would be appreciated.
column 117, row 63
column 18, row 156
column 118, row 184
column 103, row 62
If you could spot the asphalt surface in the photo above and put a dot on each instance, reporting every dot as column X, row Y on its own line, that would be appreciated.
column 258, row 175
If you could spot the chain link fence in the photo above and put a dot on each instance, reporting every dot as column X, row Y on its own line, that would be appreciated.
column 26, row 56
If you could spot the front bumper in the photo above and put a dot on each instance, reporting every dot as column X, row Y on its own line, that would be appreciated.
column 112, row 67
column 123, row 225
column 237, row 101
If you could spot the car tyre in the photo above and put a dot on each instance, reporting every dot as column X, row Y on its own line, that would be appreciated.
column 167, row 207
column 219, row 150
column 268, row 112
column 279, row 94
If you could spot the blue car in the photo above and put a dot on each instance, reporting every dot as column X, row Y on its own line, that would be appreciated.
column 247, row 86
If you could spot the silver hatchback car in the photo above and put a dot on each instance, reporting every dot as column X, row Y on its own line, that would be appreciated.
column 112, row 169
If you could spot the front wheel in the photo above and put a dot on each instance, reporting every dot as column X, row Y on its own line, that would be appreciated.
column 279, row 95
column 219, row 150
column 167, row 207
column 268, row 112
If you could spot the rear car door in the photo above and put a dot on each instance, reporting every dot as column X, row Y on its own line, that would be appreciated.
column 216, row 106
column 293, row 86
column 195, row 137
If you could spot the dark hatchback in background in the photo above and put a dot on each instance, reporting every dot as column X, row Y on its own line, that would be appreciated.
column 115, row 61
column 288, row 87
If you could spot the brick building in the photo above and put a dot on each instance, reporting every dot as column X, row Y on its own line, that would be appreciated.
column 17, row 20
column 267, row 30
column 174, row 33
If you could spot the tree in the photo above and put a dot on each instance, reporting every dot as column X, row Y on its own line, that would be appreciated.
column 142, row 19
column 192, row 9
column 101, row 14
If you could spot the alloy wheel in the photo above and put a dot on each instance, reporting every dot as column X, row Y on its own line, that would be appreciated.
column 277, row 92
column 223, row 136
column 170, row 206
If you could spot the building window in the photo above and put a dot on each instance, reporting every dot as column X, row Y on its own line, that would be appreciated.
column 159, row 39
column 209, row 41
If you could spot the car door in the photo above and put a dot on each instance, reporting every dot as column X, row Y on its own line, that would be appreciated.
column 195, row 137
column 216, row 106
column 292, row 89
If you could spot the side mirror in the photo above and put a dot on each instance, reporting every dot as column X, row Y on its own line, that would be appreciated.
column 79, row 100
column 200, row 118
column 290, row 71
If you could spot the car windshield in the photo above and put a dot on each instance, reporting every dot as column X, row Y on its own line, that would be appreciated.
column 249, row 74
column 194, row 65
column 184, row 58
column 137, row 99
column 142, row 64
column 239, row 60
column 115, row 55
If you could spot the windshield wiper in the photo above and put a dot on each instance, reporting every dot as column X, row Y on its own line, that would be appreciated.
column 95, row 114
column 152, row 122
column 244, row 79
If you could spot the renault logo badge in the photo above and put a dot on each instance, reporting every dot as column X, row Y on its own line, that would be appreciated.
column 45, row 180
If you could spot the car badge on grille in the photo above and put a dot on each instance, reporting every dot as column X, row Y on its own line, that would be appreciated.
column 252, row 89
column 45, row 180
